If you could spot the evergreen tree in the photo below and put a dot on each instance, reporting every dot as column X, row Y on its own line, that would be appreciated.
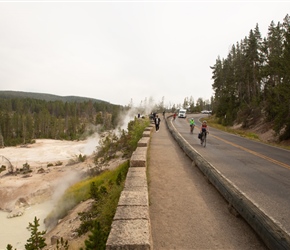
column 36, row 240
column 97, row 239
column 256, row 73
column 9, row 247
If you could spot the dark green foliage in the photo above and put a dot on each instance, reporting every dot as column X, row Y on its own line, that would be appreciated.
column 37, row 240
column 125, row 143
column 119, row 179
column 9, row 247
column 25, row 117
column 2, row 168
column 98, row 220
column 94, row 191
column 253, row 82
column 62, row 244
column 97, row 238
column 82, row 158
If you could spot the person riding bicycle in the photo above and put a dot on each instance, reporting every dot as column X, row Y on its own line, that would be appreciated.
column 191, row 124
column 203, row 128
column 174, row 116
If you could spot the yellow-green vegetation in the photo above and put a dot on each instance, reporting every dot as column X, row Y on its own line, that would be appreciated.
column 213, row 122
column 81, row 191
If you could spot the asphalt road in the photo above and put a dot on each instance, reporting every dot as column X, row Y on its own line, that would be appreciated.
column 261, row 172
column 186, row 210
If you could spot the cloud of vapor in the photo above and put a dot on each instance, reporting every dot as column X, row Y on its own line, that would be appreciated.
column 61, row 185
column 144, row 109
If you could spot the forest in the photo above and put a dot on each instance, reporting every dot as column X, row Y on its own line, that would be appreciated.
column 252, row 83
column 24, row 119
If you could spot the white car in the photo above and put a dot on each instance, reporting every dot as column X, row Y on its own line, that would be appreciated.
column 206, row 111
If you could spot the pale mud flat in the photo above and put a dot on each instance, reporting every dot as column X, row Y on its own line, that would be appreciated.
column 48, row 151
column 38, row 190
column 14, row 231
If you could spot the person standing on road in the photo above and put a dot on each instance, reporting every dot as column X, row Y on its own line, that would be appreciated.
column 157, row 122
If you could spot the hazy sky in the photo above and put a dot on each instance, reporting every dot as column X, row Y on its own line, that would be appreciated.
column 122, row 50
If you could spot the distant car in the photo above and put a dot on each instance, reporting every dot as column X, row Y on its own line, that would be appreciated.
column 206, row 111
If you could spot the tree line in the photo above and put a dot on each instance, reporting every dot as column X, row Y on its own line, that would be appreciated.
column 24, row 119
column 253, row 81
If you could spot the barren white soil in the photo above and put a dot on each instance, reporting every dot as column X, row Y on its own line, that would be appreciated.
column 21, row 192
column 38, row 156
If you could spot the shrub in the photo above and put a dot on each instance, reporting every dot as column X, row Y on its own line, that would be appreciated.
column 58, row 163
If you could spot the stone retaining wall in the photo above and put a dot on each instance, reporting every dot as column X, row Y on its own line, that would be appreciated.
column 131, row 224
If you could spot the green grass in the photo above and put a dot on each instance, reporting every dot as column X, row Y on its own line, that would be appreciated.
column 212, row 122
column 81, row 191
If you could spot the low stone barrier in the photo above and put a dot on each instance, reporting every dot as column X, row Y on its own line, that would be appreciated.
column 146, row 133
column 131, row 224
column 138, row 158
column 143, row 142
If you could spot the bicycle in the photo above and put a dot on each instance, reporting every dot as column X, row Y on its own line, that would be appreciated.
column 191, row 129
column 203, row 138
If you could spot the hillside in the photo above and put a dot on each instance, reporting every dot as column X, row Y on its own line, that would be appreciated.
column 46, row 97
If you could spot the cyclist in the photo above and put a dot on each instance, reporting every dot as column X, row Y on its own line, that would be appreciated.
column 203, row 128
column 174, row 116
column 192, row 125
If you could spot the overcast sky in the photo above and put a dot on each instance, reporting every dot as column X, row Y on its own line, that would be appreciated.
column 119, row 51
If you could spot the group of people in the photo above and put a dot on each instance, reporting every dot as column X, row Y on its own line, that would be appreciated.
column 203, row 127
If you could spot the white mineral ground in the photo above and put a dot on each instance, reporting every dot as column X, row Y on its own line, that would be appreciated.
column 35, row 194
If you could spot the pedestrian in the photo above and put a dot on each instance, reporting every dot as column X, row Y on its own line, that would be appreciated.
column 157, row 123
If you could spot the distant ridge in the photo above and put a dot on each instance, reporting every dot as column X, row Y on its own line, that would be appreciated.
column 6, row 94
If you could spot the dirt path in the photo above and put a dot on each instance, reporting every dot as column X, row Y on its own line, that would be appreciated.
column 186, row 211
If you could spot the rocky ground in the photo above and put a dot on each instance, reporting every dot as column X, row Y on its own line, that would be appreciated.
column 44, row 183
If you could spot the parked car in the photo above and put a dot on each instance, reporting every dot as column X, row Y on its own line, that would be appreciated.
column 206, row 111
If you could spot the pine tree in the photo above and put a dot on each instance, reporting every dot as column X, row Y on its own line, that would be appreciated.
column 36, row 241
column 96, row 239
column 9, row 247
